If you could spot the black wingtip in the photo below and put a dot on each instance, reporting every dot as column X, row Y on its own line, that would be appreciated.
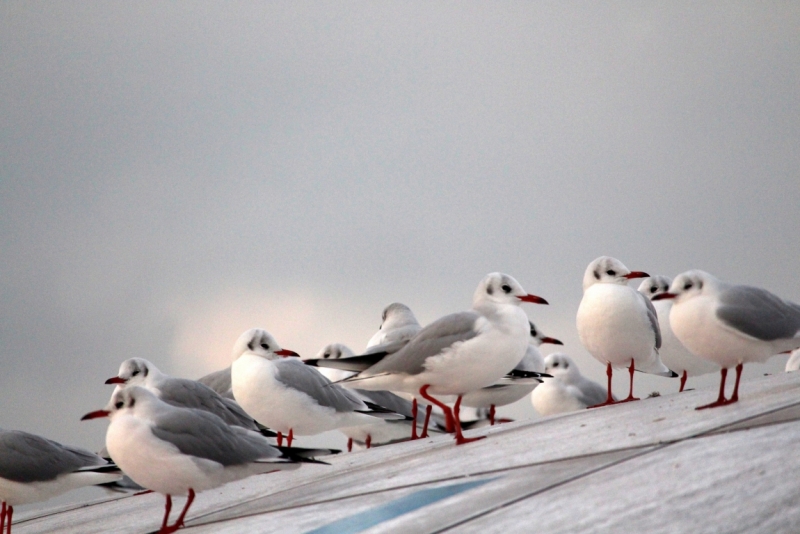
column 312, row 363
column 674, row 374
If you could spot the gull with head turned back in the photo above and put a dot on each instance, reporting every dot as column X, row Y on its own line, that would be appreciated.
column 617, row 324
column 461, row 352
column 567, row 390
column 729, row 324
column 288, row 396
column 672, row 352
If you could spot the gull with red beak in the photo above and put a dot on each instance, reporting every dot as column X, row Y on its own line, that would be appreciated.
column 512, row 388
column 181, row 392
column 181, row 451
column 290, row 397
column 459, row 353
column 729, row 324
column 617, row 324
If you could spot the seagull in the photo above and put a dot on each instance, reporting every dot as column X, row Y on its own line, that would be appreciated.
column 33, row 468
column 509, row 390
column 568, row 390
column 729, row 324
column 288, row 396
column 180, row 451
column 617, row 324
column 181, row 392
column 398, row 325
column 672, row 352
column 459, row 353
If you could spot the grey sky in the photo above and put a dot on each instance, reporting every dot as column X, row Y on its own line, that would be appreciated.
column 173, row 174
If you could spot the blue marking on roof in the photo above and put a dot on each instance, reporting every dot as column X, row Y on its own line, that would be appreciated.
column 419, row 499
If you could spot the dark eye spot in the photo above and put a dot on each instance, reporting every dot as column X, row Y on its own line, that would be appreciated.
column 489, row 290
column 555, row 364
column 265, row 346
column 699, row 285
column 533, row 332
column 611, row 273
column 506, row 288
column 118, row 405
column 687, row 285
column 133, row 401
column 653, row 289
column 250, row 345
column 566, row 365
column 146, row 370
column 326, row 355
column 136, row 372
column 597, row 275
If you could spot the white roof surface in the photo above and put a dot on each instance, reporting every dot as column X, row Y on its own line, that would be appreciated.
column 652, row 466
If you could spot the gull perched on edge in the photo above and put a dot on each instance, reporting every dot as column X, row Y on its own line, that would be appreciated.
column 672, row 352
column 617, row 324
column 33, row 468
column 509, row 390
column 180, row 392
column 729, row 324
column 568, row 390
column 180, row 451
column 288, row 396
column 461, row 352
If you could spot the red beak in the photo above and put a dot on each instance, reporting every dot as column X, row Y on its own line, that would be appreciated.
column 95, row 414
column 116, row 380
column 636, row 274
column 662, row 296
column 551, row 340
column 533, row 299
column 286, row 353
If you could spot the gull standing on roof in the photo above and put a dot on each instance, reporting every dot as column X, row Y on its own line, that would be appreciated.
column 180, row 392
column 181, row 451
column 617, row 324
column 289, row 396
column 672, row 352
column 33, row 469
column 461, row 352
column 568, row 390
column 510, row 390
column 729, row 324
column 379, row 431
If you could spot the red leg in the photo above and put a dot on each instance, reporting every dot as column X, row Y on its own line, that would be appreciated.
column 280, row 439
column 179, row 523
column 428, row 410
column 721, row 399
column 491, row 415
column 630, row 391
column 735, row 396
column 448, row 413
column 167, row 510
column 3, row 518
column 349, row 444
column 414, row 422
column 9, row 517
column 460, row 439
column 610, row 398
column 369, row 440
column 290, row 437
column 683, row 381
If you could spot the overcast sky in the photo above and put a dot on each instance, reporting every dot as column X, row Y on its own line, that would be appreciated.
column 172, row 174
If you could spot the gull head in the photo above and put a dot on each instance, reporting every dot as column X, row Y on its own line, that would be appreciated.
column 133, row 372
column 499, row 288
column 608, row 270
column 259, row 342
column 334, row 351
column 654, row 285
column 688, row 285
column 538, row 338
column 561, row 366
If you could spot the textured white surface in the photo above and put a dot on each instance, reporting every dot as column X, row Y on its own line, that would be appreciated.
column 667, row 466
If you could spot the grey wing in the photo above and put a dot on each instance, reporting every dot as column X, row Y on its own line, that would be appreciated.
column 390, row 401
column 652, row 315
column 431, row 340
column 27, row 457
column 591, row 393
column 758, row 313
column 389, row 347
column 203, row 435
column 219, row 381
column 185, row 393
column 295, row 374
